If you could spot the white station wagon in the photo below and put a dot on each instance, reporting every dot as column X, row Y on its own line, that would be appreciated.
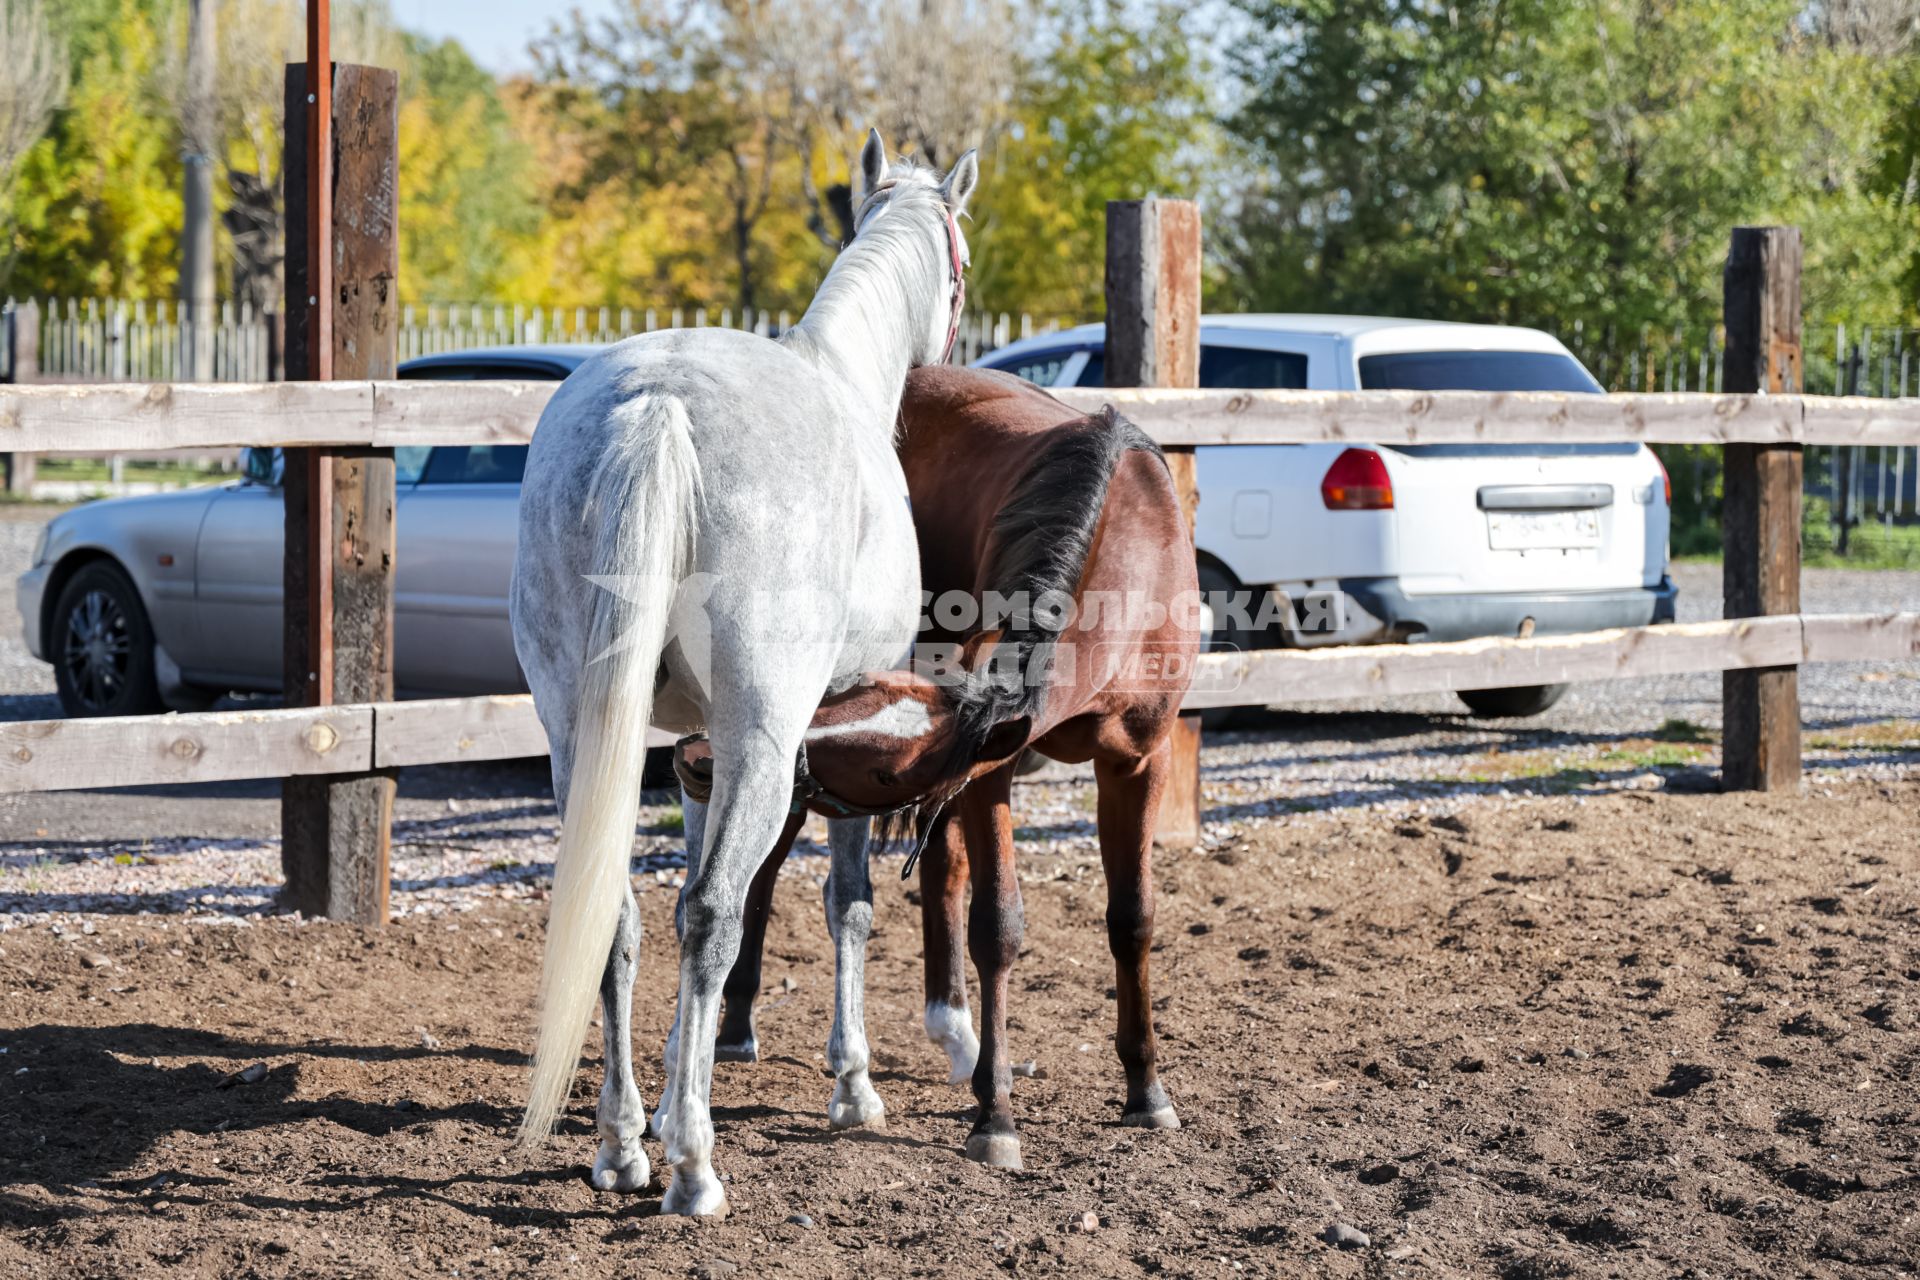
column 1407, row 543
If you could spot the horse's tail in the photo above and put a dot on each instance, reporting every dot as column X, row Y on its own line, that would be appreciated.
column 643, row 501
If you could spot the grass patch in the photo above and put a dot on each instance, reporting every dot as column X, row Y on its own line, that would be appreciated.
column 671, row 820
column 1882, row 735
column 100, row 471
column 1684, row 731
column 1650, row 754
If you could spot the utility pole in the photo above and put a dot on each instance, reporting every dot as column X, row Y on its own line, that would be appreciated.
column 199, row 129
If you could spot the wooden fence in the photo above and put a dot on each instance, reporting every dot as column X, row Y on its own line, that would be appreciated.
column 337, row 742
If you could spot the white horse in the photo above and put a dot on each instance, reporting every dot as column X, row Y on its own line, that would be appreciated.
column 683, row 491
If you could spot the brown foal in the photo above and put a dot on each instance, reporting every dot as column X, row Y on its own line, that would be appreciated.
column 1014, row 492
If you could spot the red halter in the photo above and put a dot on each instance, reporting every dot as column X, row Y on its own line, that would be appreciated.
column 959, row 287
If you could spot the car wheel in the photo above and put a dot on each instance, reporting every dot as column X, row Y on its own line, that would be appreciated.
column 1222, row 634
column 102, row 645
column 1527, row 700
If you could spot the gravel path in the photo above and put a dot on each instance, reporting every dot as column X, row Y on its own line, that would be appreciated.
column 468, row 834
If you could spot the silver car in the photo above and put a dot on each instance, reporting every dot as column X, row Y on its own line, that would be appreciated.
column 173, row 600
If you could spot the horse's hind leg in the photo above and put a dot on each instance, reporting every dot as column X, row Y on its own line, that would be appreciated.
column 1129, row 801
column 943, row 900
column 995, row 924
column 739, row 1040
column 693, row 820
column 848, row 895
column 753, row 772
column 622, row 1117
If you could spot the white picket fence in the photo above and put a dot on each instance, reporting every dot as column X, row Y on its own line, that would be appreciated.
column 430, row 328
column 111, row 340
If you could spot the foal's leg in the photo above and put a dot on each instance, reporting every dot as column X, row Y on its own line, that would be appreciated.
column 753, row 777
column 943, row 899
column 848, row 895
column 738, row 1040
column 622, row 1117
column 1129, row 801
column 995, row 923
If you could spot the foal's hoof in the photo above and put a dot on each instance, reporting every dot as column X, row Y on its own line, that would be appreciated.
column 619, row 1168
column 1158, row 1118
column 739, row 1051
column 1154, row 1110
column 694, row 1196
column 996, row 1150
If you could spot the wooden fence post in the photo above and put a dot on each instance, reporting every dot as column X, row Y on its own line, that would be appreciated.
column 336, row 829
column 1760, row 512
column 1153, row 340
column 22, row 336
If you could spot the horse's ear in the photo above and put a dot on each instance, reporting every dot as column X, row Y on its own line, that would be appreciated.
column 1005, row 740
column 873, row 163
column 958, row 188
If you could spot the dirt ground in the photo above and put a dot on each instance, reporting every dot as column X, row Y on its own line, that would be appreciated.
column 1646, row 1034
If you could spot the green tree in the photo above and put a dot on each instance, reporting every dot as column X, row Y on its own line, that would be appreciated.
column 95, row 206
column 467, row 200
column 1539, row 162
column 1113, row 109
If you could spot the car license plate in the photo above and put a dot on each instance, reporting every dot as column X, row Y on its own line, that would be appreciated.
column 1542, row 530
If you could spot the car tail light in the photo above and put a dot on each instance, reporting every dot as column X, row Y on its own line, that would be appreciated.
column 1666, row 481
column 1357, row 481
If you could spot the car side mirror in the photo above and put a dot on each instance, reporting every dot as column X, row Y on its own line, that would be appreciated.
column 262, row 466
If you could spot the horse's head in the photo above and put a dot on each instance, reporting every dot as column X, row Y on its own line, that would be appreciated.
column 904, row 738
column 901, row 191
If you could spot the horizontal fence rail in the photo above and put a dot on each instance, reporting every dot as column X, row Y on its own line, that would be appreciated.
column 222, row 746
column 135, row 416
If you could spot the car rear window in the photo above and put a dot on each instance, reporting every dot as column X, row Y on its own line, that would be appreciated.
column 476, row 464
column 1240, row 368
column 1042, row 367
column 1474, row 371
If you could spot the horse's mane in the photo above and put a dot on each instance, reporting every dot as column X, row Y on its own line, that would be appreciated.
column 1039, row 544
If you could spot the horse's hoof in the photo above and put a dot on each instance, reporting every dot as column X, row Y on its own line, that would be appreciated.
column 856, row 1106
column 741, row 1051
column 996, row 1150
column 694, row 1196
column 620, row 1169
column 1158, row 1118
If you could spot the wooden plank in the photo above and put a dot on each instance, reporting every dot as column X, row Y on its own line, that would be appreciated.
column 1860, row 637
column 1209, row 417
column 135, row 417
column 1268, row 676
column 1760, row 509
column 209, row 746
column 1863, row 420
column 131, row 417
column 220, row 746
column 444, row 730
column 335, row 831
column 415, row 413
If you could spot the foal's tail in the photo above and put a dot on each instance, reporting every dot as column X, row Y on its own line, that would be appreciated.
column 642, row 501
